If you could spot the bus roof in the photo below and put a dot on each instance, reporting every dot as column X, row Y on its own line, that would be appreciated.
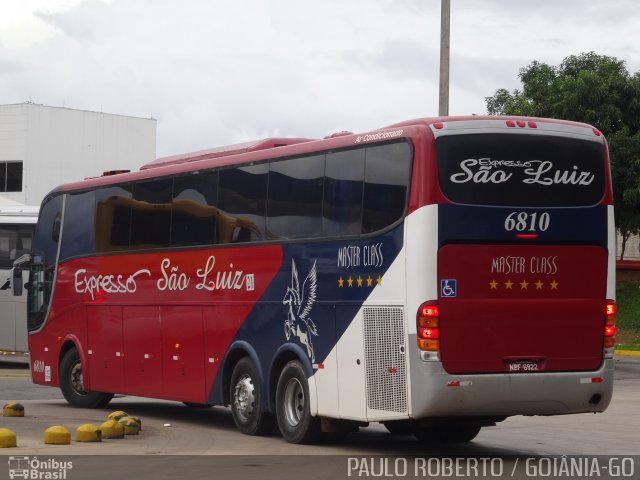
column 224, row 151
column 274, row 147
column 485, row 118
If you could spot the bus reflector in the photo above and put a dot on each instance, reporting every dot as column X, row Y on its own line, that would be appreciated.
column 511, row 123
column 592, row 380
column 459, row 383
column 521, row 124
column 527, row 236
column 533, row 125
column 438, row 126
column 428, row 324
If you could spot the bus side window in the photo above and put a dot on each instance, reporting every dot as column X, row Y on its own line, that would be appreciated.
column 5, row 248
column 294, row 208
column 241, row 235
column 78, row 230
column 243, row 199
column 343, row 192
column 151, row 214
column 387, row 175
column 112, row 219
column 195, row 215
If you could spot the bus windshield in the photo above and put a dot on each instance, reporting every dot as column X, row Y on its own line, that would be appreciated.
column 520, row 170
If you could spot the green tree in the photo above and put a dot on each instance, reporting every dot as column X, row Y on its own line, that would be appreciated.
column 594, row 89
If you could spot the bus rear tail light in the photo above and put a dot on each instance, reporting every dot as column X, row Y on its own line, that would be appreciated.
column 609, row 328
column 428, row 328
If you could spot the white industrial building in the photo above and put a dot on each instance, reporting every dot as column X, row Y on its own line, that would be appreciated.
column 42, row 147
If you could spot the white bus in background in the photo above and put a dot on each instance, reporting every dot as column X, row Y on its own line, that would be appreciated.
column 17, row 225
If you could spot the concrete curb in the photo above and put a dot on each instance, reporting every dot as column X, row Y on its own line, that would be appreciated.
column 15, row 375
column 627, row 353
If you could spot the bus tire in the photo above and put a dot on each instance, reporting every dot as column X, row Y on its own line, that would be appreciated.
column 455, row 433
column 292, row 406
column 72, row 387
column 245, row 396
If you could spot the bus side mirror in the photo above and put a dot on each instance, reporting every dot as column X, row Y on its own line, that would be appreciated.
column 16, row 281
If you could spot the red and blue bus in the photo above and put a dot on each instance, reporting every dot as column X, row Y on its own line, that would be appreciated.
column 437, row 276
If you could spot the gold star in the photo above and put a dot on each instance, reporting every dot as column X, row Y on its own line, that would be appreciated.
column 539, row 285
column 359, row 281
column 493, row 285
column 350, row 281
column 554, row 285
column 523, row 285
column 379, row 280
column 369, row 281
column 341, row 282
column 508, row 284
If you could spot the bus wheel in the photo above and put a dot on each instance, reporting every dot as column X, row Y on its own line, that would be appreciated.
column 292, row 406
column 456, row 433
column 72, row 386
column 245, row 395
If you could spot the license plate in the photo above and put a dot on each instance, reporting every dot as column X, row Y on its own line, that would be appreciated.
column 523, row 367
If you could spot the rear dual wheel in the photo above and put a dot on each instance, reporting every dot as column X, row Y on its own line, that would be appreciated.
column 292, row 406
column 293, row 414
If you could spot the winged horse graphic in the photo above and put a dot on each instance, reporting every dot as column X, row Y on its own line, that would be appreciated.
column 300, row 300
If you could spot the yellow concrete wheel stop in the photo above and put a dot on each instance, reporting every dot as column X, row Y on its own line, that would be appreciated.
column 88, row 433
column 7, row 438
column 13, row 409
column 137, row 420
column 131, row 426
column 57, row 435
column 117, row 415
column 112, row 429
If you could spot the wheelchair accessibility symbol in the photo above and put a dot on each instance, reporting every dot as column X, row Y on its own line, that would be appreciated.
column 447, row 288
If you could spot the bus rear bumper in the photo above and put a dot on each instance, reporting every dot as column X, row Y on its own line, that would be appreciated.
column 436, row 393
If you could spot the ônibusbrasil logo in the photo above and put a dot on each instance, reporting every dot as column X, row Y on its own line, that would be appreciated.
column 35, row 469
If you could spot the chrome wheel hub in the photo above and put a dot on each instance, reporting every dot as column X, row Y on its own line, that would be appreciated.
column 76, row 378
column 294, row 402
column 243, row 397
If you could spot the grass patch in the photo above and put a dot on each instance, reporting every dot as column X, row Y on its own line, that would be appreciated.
column 628, row 316
column 633, row 348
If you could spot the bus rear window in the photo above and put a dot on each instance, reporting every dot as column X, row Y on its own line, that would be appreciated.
column 520, row 170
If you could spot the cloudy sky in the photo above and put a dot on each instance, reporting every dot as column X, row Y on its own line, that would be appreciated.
column 215, row 72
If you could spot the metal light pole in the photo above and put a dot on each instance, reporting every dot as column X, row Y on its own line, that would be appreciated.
column 445, row 14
